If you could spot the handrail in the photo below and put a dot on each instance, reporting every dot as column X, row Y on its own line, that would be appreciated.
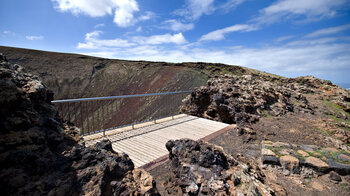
column 100, row 114
column 116, row 97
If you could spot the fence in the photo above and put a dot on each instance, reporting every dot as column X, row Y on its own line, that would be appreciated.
column 100, row 114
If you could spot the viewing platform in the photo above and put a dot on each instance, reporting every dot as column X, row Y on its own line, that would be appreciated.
column 145, row 142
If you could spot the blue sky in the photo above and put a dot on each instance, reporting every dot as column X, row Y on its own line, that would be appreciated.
column 285, row 37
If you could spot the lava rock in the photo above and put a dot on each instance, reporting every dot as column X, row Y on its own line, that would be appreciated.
column 42, row 155
column 334, row 176
column 244, row 99
column 198, row 168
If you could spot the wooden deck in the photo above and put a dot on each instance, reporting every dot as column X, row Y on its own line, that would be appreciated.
column 146, row 143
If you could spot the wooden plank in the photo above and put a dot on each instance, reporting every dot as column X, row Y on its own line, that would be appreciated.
column 147, row 151
column 134, row 157
column 157, row 139
column 171, row 133
column 157, row 135
column 147, row 143
column 211, row 122
column 150, row 142
column 135, row 151
column 207, row 123
column 193, row 128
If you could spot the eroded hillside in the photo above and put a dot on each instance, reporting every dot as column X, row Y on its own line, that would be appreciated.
column 75, row 76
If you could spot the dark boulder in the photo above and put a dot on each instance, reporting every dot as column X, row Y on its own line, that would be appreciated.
column 198, row 168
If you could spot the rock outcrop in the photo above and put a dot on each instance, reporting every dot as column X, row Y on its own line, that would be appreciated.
column 198, row 168
column 41, row 155
column 243, row 99
column 306, row 160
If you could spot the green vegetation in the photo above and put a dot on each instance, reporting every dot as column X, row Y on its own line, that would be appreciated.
column 307, row 180
column 276, row 150
column 300, row 157
column 314, row 154
column 333, row 155
column 324, row 131
column 266, row 114
column 342, row 127
column 343, row 185
column 294, row 102
column 335, row 110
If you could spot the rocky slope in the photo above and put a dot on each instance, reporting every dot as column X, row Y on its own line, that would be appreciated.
column 295, row 129
column 40, row 155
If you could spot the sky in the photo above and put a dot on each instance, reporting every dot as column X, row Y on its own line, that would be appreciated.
column 285, row 37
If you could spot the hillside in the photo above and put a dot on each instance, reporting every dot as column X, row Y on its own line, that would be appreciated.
column 76, row 76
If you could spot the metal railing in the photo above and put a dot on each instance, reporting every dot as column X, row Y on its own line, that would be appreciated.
column 100, row 114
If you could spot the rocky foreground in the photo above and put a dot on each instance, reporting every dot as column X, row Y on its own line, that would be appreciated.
column 40, row 155
column 295, row 129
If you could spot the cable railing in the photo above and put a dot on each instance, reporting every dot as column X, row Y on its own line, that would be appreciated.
column 100, row 114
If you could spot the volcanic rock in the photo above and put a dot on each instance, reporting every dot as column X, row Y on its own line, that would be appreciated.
column 289, row 162
column 198, row 168
column 242, row 99
column 334, row 176
column 41, row 155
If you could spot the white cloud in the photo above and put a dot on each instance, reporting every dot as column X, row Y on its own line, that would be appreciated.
column 220, row 34
column 33, row 37
column 284, row 38
column 99, row 25
column 326, row 58
column 175, row 25
column 92, row 41
column 325, row 40
column 147, row 16
column 329, row 31
column 7, row 32
column 230, row 4
column 161, row 39
column 123, row 9
column 285, row 59
column 194, row 9
column 287, row 9
column 124, row 12
column 146, row 50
